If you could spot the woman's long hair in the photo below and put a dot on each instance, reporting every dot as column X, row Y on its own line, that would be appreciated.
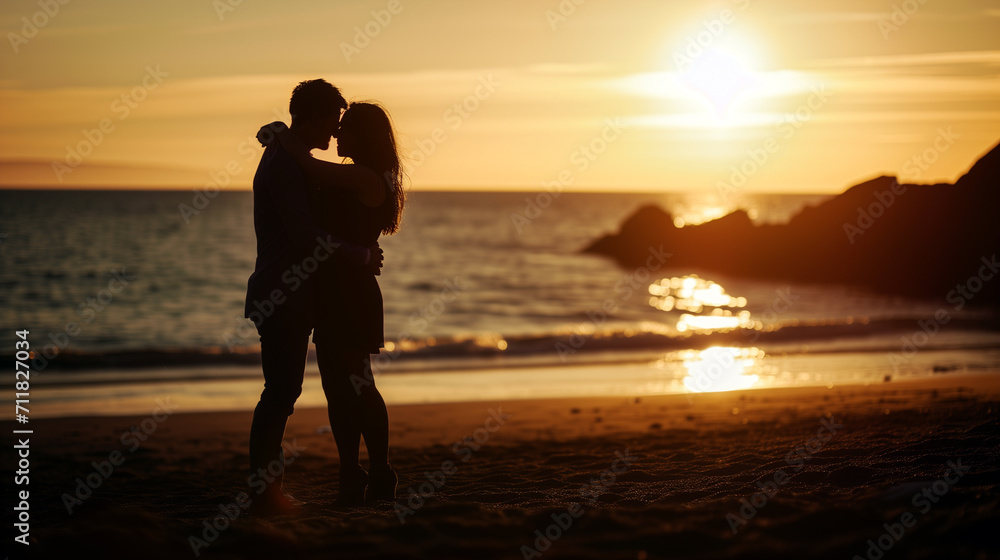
column 376, row 149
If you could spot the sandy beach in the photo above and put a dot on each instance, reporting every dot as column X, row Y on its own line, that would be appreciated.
column 900, row 469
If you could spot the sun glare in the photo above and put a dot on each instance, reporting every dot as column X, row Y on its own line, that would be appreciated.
column 708, row 81
column 719, row 79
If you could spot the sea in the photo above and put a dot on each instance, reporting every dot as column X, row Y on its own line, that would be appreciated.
column 129, row 296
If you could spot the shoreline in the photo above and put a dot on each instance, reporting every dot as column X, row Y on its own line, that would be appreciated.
column 986, row 384
column 649, row 375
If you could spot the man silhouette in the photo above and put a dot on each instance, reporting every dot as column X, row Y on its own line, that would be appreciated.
column 282, row 291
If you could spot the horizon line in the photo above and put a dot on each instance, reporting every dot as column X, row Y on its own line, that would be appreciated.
column 437, row 189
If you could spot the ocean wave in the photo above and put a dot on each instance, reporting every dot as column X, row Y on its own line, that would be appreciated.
column 832, row 335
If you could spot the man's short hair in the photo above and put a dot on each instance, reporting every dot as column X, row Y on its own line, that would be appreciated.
column 315, row 98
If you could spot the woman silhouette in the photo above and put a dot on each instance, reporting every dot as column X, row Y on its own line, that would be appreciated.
column 368, row 203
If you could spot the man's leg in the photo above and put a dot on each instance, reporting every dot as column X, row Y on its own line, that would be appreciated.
column 283, row 358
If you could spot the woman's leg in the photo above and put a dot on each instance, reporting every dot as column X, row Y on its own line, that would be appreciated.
column 343, row 406
column 351, row 391
column 375, row 423
column 375, row 427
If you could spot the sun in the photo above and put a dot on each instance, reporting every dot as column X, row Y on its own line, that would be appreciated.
column 725, row 83
column 719, row 78
column 718, row 71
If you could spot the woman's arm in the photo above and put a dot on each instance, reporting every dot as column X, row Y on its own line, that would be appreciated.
column 357, row 178
column 353, row 177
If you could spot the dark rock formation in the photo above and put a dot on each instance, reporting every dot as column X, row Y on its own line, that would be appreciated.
column 932, row 241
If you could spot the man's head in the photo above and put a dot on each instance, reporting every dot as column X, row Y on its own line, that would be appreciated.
column 315, row 107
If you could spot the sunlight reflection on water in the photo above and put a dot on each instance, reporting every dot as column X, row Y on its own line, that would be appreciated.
column 721, row 368
column 694, row 295
column 705, row 307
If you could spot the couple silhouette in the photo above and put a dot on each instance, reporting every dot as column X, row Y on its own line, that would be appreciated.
column 317, row 225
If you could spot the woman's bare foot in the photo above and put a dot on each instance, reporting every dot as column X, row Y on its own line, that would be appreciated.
column 353, row 481
column 276, row 502
column 382, row 485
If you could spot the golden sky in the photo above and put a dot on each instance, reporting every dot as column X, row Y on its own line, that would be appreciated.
column 725, row 96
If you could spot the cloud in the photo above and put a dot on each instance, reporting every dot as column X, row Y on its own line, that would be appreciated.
column 830, row 17
column 34, row 173
column 989, row 59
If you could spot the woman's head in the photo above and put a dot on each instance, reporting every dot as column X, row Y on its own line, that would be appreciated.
column 366, row 136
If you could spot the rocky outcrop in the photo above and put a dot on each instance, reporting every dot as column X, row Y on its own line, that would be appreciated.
column 933, row 241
